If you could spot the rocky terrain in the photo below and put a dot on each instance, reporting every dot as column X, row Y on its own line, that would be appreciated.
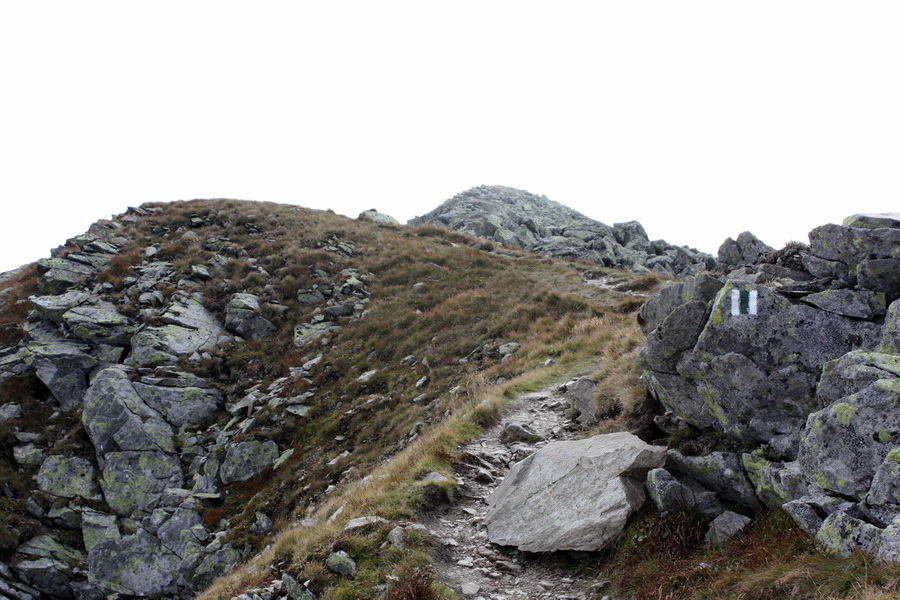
column 793, row 355
column 517, row 218
column 271, row 403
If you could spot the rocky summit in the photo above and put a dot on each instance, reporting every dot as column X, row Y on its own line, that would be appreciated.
column 518, row 218
column 231, row 400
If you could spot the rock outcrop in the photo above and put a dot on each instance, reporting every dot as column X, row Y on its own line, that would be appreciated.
column 572, row 495
column 794, row 353
column 518, row 218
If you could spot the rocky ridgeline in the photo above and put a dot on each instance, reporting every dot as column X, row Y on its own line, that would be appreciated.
column 518, row 218
column 163, row 441
column 795, row 356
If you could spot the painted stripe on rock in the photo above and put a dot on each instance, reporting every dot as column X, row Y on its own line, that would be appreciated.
column 743, row 302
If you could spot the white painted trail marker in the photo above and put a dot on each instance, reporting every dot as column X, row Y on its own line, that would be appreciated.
column 743, row 302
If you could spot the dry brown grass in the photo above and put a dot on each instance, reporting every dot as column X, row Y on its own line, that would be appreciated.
column 14, row 304
column 664, row 558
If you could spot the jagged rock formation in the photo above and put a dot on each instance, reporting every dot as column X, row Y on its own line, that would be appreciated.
column 518, row 218
column 794, row 353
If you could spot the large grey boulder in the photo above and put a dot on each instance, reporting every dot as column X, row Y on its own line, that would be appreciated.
column 50, row 576
column 180, row 406
column 136, row 565
column 99, row 323
column 844, row 444
column 56, row 275
column 242, row 316
column 572, row 495
column 740, row 361
column 54, row 307
column 372, row 215
column 134, row 483
column 63, row 368
column 116, row 418
column 68, row 477
column 189, row 328
column 246, row 460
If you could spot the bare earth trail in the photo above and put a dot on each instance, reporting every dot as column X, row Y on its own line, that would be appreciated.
column 466, row 560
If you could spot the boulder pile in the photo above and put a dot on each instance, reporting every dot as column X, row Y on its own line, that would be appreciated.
column 119, row 514
column 795, row 355
column 517, row 218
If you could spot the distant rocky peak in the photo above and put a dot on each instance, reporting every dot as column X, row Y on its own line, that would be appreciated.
column 519, row 218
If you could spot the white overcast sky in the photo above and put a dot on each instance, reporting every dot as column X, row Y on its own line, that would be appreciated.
column 698, row 119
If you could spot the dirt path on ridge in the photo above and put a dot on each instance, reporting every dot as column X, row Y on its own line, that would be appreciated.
column 466, row 560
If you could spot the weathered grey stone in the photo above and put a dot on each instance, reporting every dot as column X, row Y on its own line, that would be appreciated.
column 56, row 275
column 508, row 348
column 29, row 455
column 363, row 523
column 879, row 275
column 579, row 394
column 54, row 307
column 841, row 535
column 310, row 296
column 676, row 334
column 99, row 323
column 339, row 310
column 667, row 493
column 844, row 444
column 873, row 220
column 180, row 406
column 262, row 525
column 853, row 372
column 747, row 249
column 62, row 367
column 890, row 341
column 136, row 565
column 10, row 411
column 50, row 576
column 310, row 332
column 188, row 328
column 214, row 565
column 804, row 515
column 885, row 487
column 134, row 482
column 374, row 216
column 97, row 527
column 514, row 432
column 850, row 245
column 774, row 483
column 246, row 460
column 572, row 495
column 889, row 548
column 741, row 361
column 68, row 477
column 116, row 417
column 701, row 288
column 721, row 472
column 340, row 562
column 184, row 535
column 242, row 316
column 862, row 304
column 727, row 526
column 45, row 546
